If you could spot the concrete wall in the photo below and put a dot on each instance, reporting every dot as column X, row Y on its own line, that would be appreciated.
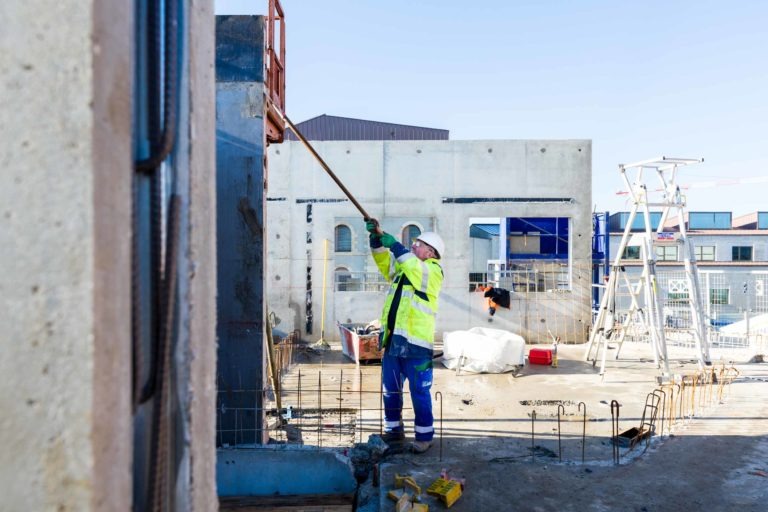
column 66, row 78
column 397, row 181
column 65, row 125
column 200, row 356
column 240, row 472
column 240, row 228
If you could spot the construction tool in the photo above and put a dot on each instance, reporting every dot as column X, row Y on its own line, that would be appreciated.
column 326, row 167
column 448, row 491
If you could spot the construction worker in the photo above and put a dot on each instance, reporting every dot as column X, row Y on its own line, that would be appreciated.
column 408, row 328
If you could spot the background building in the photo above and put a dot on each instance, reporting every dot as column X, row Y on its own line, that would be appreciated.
column 732, row 260
column 525, row 189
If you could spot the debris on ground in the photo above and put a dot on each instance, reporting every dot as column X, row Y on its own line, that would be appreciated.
column 448, row 491
column 445, row 474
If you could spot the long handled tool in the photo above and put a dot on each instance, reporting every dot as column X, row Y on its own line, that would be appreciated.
column 325, row 166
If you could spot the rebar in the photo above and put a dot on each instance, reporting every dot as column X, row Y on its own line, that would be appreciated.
column 301, row 412
column 360, row 405
column 615, row 431
column 437, row 393
column 559, row 440
column 583, row 429
column 341, row 382
column 662, row 409
column 533, row 436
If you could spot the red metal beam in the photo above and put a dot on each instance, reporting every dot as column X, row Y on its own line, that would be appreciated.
column 275, row 79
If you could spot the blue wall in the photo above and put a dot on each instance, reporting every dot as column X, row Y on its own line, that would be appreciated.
column 240, row 228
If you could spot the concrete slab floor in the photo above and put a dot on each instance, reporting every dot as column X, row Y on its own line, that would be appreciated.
column 713, row 455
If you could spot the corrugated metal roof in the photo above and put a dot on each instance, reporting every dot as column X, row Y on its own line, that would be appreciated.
column 484, row 230
column 491, row 229
column 325, row 127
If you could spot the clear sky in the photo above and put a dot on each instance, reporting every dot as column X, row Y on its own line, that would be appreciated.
column 641, row 79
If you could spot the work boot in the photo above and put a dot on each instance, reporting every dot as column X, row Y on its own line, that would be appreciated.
column 393, row 437
column 420, row 446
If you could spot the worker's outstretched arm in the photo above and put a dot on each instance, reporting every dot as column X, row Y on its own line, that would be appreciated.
column 425, row 277
column 385, row 262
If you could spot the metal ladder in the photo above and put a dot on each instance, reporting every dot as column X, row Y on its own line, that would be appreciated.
column 650, row 315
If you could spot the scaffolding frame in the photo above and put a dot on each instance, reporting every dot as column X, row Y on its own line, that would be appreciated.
column 605, row 328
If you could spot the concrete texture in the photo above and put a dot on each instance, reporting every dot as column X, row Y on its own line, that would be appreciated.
column 66, row 85
column 240, row 227
column 713, row 459
column 403, row 182
column 293, row 470
column 201, row 354
column 64, row 291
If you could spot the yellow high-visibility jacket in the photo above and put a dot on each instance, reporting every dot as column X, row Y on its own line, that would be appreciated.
column 417, row 308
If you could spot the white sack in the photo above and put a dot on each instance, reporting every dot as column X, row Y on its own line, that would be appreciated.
column 483, row 350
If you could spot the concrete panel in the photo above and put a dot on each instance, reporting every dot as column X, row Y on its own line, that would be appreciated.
column 239, row 49
column 66, row 160
column 240, row 231
column 200, row 357
column 112, row 169
column 404, row 181
column 241, row 472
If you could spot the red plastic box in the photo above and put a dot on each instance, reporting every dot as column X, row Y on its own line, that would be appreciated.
column 540, row 356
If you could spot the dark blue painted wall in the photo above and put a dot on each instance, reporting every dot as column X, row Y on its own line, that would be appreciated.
column 240, row 228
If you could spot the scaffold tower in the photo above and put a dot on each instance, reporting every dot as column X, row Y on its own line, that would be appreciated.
column 645, row 295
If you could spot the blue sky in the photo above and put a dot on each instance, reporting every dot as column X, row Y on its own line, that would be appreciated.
column 640, row 79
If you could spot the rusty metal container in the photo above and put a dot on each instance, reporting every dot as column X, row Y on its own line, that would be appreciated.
column 359, row 347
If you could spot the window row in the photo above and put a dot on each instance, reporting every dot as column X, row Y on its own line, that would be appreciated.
column 701, row 252
column 343, row 236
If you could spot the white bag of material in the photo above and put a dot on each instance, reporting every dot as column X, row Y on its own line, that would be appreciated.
column 483, row 350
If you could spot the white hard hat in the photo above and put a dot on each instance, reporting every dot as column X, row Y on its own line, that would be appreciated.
column 433, row 240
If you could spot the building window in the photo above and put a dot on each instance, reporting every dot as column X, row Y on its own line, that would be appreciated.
column 704, row 252
column 677, row 291
column 343, row 279
column 631, row 252
column 343, row 238
column 666, row 252
column 538, row 238
column 410, row 233
column 719, row 296
column 741, row 253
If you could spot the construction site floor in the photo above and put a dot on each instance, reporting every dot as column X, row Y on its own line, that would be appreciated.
column 710, row 453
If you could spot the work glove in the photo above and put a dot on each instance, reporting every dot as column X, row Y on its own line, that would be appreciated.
column 372, row 226
column 387, row 240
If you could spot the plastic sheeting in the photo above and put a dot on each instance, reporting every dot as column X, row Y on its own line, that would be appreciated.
column 483, row 350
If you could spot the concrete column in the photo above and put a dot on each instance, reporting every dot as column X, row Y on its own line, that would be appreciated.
column 65, row 168
column 202, row 255
column 240, row 227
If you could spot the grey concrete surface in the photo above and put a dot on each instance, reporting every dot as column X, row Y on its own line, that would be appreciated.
column 65, row 147
column 410, row 182
column 714, row 460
